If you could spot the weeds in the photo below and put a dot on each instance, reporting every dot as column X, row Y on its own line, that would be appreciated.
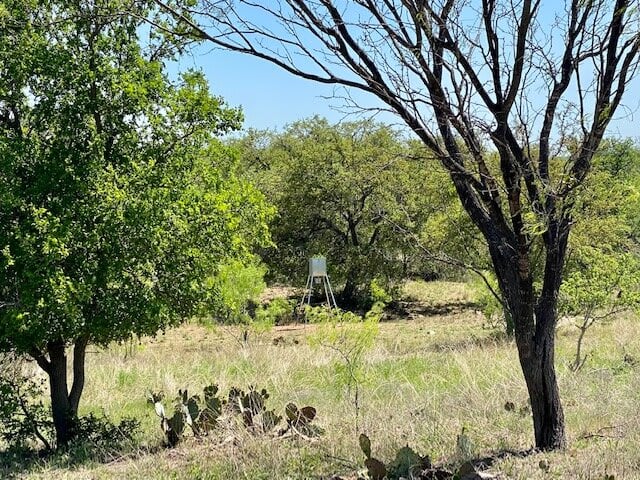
column 350, row 336
column 423, row 380
column 24, row 420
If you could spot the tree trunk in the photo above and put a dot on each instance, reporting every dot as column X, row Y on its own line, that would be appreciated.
column 534, row 328
column 537, row 361
column 61, row 409
column 348, row 297
column 64, row 404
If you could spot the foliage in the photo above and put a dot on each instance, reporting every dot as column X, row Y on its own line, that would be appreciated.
column 489, row 304
column 377, row 293
column 249, row 406
column 278, row 311
column 23, row 417
column 601, row 272
column 476, row 84
column 350, row 336
column 239, row 285
column 119, row 204
column 602, row 275
column 346, row 191
column 100, row 439
column 25, row 420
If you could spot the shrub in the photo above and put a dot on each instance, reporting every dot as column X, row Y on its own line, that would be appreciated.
column 99, row 439
column 279, row 311
column 239, row 286
column 24, row 420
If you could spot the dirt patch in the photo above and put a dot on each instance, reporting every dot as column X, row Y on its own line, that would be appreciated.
column 280, row 291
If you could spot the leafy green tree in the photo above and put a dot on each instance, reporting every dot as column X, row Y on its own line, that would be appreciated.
column 499, row 76
column 602, row 273
column 117, row 202
column 346, row 191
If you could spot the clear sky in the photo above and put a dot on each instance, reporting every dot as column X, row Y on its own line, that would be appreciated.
column 272, row 98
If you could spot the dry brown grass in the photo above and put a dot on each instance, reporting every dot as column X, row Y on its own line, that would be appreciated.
column 425, row 379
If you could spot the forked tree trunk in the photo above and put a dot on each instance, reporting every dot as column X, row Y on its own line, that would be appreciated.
column 64, row 403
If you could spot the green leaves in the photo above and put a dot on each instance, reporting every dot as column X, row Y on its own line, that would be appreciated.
column 341, row 191
column 602, row 273
column 117, row 200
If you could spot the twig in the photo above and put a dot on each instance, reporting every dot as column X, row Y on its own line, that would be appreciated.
column 600, row 433
column 344, row 461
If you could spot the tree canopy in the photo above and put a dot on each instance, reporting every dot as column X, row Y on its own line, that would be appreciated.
column 343, row 191
column 118, row 202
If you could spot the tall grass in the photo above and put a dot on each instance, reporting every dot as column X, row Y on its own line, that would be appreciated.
column 425, row 379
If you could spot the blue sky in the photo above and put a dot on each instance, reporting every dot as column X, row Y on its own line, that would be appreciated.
column 272, row 98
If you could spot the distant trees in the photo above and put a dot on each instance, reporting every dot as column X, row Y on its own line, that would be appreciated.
column 117, row 202
column 602, row 273
column 351, row 191
column 472, row 80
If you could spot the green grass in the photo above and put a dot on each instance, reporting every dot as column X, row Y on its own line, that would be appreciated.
column 424, row 379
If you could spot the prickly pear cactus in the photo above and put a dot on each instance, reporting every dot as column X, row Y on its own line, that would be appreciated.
column 270, row 420
column 211, row 399
column 174, row 428
column 407, row 464
column 251, row 405
column 190, row 409
column 209, row 415
column 299, row 420
column 376, row 470
column 202, row 417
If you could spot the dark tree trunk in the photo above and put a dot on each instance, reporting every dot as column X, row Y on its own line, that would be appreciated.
column 534, row 327
column 61, row 408
column 539, row 372
column 64, row 403
column 348, row 295
column 536, row 354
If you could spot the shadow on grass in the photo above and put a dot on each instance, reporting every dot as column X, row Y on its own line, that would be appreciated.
column 493, row 339
column 488, row 461
column 416, row 308
column 16, row 462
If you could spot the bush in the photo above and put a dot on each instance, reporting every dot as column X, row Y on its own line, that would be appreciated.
column 24, row 420
column 239, row 285
column 99, row 436
column 278, row 311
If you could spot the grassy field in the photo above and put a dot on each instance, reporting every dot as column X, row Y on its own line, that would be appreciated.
column 430, row 373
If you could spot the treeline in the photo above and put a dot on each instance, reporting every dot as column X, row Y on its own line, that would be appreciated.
column 382, row 209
